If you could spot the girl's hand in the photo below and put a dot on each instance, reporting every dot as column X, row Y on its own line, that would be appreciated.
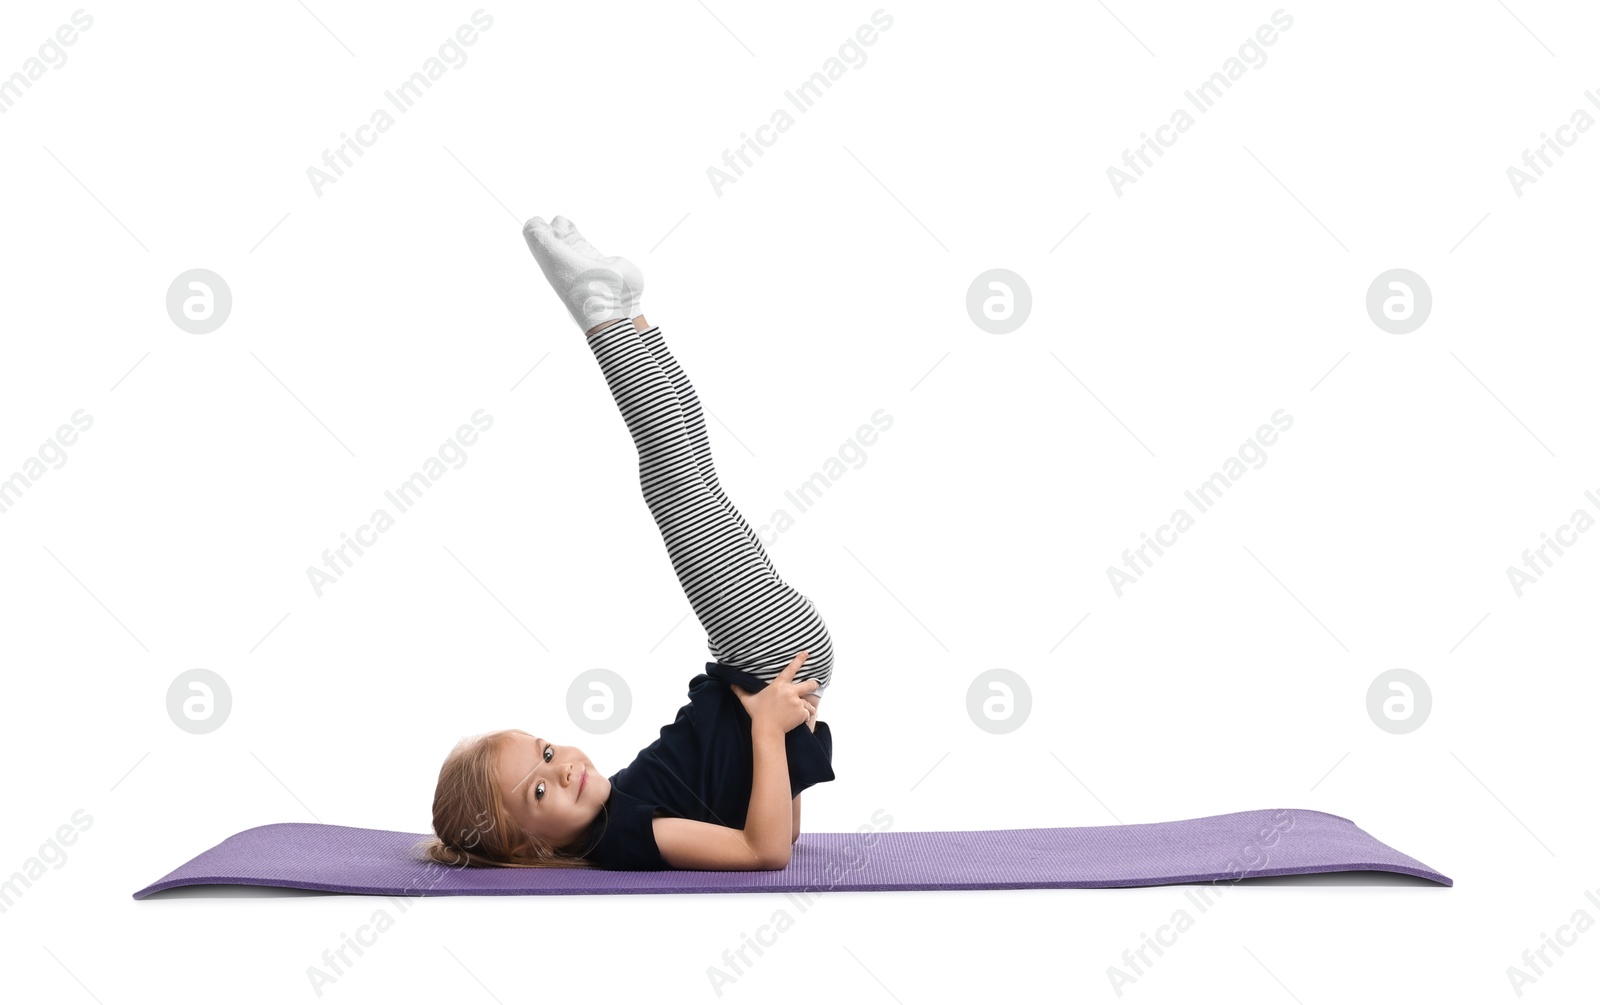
column 782, row 703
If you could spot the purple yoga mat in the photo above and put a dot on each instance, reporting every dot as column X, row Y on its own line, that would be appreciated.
column 1221, row 848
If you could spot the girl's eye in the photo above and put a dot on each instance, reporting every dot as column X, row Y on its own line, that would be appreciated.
column 538, row 790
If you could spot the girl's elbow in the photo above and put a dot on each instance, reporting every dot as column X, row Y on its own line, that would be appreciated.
column 777, row 861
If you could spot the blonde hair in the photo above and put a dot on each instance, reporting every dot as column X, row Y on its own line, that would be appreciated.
column 471, row 823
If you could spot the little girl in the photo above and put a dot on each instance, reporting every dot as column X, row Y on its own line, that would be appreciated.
column 720, row 787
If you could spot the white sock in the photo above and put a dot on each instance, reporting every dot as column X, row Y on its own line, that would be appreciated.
column 596, row 288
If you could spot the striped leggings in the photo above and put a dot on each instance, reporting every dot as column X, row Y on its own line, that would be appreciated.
column 753, row 620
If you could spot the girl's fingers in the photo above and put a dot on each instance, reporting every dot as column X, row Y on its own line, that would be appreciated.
column 794, row 665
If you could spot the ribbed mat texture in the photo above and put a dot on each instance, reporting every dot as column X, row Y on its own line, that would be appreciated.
column 1221, row 848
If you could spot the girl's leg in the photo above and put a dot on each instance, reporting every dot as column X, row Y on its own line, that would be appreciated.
column 818, row 660
column 754, row 621
column 694, row 423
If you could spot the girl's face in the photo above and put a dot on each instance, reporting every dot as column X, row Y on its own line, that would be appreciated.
column 553, row 792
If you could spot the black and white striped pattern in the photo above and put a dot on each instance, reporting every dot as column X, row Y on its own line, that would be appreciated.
column 754, row 621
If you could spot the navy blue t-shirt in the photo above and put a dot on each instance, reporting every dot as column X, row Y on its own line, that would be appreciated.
column 702, row 767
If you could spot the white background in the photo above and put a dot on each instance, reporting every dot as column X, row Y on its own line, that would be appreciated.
column 827, row 283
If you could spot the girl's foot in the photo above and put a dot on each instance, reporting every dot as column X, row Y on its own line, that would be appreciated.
column 596, row 288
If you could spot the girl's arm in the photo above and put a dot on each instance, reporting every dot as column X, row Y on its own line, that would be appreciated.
column 771, row 816
column 693, row 844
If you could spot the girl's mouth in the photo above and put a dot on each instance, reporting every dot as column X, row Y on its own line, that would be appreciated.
column 583, row 780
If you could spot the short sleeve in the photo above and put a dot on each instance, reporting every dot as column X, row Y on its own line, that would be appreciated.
column 810, row 756
column 624, row 836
